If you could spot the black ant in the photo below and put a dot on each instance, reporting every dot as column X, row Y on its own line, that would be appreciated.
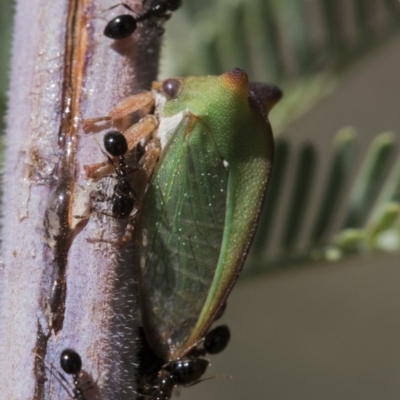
column 157, row 379
column 124, row 196
column 124, row 25
column 71, row 364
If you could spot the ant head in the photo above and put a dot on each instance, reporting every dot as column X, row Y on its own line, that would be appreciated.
column 70, row 362
column 165, row 385
column 115, row 143
column 179, row 372
column 120, row 27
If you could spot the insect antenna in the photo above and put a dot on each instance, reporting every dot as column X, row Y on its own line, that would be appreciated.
column 70, row 363
column 120, row 4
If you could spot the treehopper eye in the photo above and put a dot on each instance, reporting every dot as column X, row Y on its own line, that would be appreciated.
column 202, row 204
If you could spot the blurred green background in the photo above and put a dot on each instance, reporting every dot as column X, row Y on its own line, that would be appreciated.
column 323, row 323
column 6, row 16
column 335, row 189
column 321, row 319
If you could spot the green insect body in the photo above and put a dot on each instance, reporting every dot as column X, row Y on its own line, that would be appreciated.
column 202, row 205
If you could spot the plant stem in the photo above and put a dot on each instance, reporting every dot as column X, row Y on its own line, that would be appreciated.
column 59, row 289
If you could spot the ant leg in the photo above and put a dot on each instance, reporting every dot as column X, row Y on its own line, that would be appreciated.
column 161, row 30
column 130, row 170
column 120, row 4
column 122, row 241
column 59, row 377
column 143, row 173
column 138, row 102
column 144, row 128
column 158, row 26
column 143, row 101
column 130, row 227
column 154, row 25
column 99, row 170
column 88, row 123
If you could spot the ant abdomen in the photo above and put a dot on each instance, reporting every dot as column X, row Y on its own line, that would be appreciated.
column 158, row 378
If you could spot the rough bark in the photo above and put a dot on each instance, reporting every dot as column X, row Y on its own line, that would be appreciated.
column 58, row 289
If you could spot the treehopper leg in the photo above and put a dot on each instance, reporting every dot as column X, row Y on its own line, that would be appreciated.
column 142, row 102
